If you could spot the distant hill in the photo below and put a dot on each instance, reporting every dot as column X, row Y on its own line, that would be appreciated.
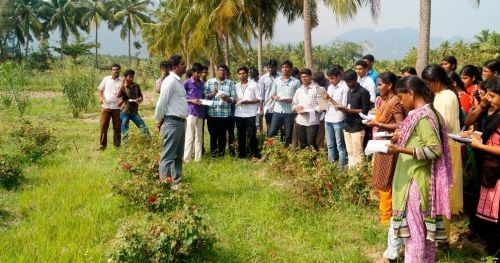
column 391, row 43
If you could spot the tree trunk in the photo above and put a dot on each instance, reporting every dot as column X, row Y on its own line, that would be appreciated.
column 129, row 54
column 307, row 34
column 211, row 66
column 96, row 57
column 62, row 46
column 259, row 41
column 27, row 38
column 225, row 39
column 424, row 35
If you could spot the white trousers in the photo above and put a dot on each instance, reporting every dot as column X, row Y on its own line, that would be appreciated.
column 194, row 138
column 354, row 146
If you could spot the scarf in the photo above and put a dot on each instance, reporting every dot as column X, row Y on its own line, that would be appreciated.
column 441, row 177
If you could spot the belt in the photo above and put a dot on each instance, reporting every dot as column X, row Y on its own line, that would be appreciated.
column 171, row 117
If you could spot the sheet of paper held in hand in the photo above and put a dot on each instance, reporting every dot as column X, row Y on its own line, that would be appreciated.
column 459, row 138
column 377, row 146
column 206, row 102
column 323, row 104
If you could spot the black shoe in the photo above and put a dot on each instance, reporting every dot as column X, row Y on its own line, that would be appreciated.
column 101, row 148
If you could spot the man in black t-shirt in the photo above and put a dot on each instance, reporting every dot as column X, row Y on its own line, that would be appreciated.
column 358, row 101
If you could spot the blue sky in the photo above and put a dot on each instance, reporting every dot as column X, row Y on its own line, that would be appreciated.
column 449, row 18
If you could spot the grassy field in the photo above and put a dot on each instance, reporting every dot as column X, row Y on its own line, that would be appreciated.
column 66, row 210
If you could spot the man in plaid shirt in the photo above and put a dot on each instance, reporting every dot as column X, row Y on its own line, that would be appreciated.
column 222, row 93
column 282, row 93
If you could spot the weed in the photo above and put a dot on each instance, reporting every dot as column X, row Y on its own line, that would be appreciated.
column 11, row 173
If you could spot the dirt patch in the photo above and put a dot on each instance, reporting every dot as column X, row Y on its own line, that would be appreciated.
column 44, row 94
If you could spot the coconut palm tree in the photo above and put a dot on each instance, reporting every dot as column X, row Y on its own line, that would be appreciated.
column 424, row 35
column 94, row 11
column 25, row 15
column 61, row 15
column 343, row 11
column 129, row 14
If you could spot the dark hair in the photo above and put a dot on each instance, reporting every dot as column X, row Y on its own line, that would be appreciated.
column 223, row 66
column 129, row 72
column 388, row 78
column 305, row 71
column 116, row 65
column 189, row 73
column 369, row 57
column 493, row 84
column 415, row 84
column 296, row 72
column 493, row 65
column 166, row 64
column 205, row 68
column 472, row 72
column 349, row 75
column 242, row 68
column 287, row 62
column 434, row 72
column 254, row 73
column 334, row 71
column 197, row 67
column 410, row 70
column 175, row 60
column 452, row 60
column 454, row 77
column 337, row 66
column 361, row 63
column 273, row 63
column 320, row 79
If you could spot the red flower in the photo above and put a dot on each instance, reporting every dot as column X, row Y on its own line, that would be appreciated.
column 170, row 179
column 329, row 186
column 126, row 166
column 269, row 141
column 152, row 199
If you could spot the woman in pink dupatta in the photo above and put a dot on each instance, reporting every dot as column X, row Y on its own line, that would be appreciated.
column 421, row 179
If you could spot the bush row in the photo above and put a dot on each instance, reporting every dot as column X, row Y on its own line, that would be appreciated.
column 172, row 229
column 314, row 178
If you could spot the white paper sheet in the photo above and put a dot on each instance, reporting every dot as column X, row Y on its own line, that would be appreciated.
column 207, row 102
column 377, row 146
column 459, row 138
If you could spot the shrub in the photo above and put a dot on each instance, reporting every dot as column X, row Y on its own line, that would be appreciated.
column 78, row 86
column 315, row 179
column 11, row 173
column 13, row 80
column 179, row 236
column 140, row 159
column 34, row 141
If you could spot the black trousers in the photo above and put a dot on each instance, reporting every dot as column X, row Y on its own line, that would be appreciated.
column 306, row 136
column 246, row 128
column 217, row 127
column 269, row 117
column 284, row 120
column 230, row 133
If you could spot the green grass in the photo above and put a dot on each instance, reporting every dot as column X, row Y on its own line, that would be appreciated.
column 66, row 210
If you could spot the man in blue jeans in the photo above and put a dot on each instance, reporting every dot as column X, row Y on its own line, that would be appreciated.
column 131, row 96
column 334, row 118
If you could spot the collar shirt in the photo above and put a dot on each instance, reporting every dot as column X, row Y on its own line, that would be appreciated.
column 265, row 86
column 308, row 97
column 339, row 94
column 358, row 98
column 367, row 83
column 131, row 91
column 195, row 90
column 219, row 107
column 248, row 91
column 110, row 88
column 285, row 89
column 172, row 101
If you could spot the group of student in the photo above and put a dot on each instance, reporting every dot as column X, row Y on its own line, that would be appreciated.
column 423, row 178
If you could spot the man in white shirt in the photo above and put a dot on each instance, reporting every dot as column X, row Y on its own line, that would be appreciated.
column 247, row 103
column 306, row 104
column 108, row 89
column 334, row 118
column 365, row 81
column 170, row 116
